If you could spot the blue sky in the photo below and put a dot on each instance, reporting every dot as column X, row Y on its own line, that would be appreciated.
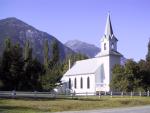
column 85, row 20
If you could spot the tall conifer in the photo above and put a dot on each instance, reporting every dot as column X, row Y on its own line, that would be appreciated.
column 148, row 53
column 46, row 50
column 27, row 51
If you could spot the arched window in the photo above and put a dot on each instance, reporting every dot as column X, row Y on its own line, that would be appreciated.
column 112, row 46
column 69, row 83
column 81, row 83
column 75, row 83
column 104, row 46
column 88, row 82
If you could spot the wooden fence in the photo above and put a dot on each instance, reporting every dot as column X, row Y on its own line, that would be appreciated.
column 35, row 94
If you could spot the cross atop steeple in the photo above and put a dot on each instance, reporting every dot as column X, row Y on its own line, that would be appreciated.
column 108, row 28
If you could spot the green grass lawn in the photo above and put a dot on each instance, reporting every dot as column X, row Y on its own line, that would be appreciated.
column 82, row 103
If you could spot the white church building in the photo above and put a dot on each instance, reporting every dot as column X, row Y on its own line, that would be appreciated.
column 94, row 75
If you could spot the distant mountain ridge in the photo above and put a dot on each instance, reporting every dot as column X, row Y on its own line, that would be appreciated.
column 19, row 31
column 82, row 47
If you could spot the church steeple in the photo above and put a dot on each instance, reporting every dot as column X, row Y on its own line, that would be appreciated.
column 108, row 28
column 108, row 41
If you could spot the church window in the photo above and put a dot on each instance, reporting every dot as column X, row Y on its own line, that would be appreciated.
column 69, row 83
column 75, row 83
column 112, row 46
column 88, row 82
column 104, row 46
column 81, row 83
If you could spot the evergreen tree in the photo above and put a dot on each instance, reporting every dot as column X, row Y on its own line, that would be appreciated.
column 144, row 74
column 7, row 43
column 55, row 55
column 146, row 71
column 118, row 82
column 53, row 73
column 55, row 52
column 27, row 51
column 52, row 78
column 148, row 53
column 46, row 51
column 26, row 84
column 33, row 69
column 6, row 64
column 33, row 72
column 132, row 71
column 16, row 67
column 1, row 82
column 127, row 77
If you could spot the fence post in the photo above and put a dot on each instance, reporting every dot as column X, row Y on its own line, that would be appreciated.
column 131, row 94
column 105, row 93
column 74, row 93
column 140, row 93
column 122, row 94
column 86, row 94
column 55, row 95
column 13, row 93
column 111, row 94
column 148, row 93
column 99, row 94
column 35, row 93
column 65, row 92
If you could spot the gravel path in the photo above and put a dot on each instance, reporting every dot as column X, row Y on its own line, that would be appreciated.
column 141, row 109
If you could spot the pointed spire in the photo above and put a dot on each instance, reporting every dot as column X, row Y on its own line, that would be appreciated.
column 108, row 28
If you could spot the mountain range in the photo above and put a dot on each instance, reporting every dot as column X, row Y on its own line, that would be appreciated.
column 19, row 31
column 84, row 48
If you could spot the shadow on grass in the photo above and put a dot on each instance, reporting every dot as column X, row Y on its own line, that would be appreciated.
column 54, row 99
column 88, row 99
column 19, row 109
column 29, row 99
